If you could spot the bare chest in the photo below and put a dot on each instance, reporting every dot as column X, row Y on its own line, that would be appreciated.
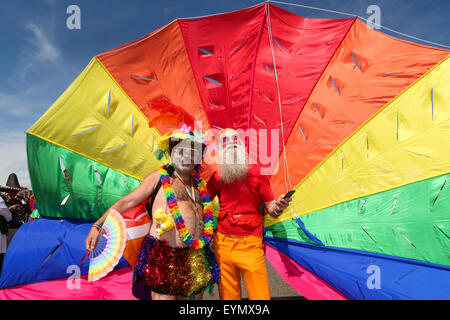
column 190, row 210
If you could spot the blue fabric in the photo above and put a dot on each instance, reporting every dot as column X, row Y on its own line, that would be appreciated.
column 349, row 271
column 309, row 234
column 34, row 241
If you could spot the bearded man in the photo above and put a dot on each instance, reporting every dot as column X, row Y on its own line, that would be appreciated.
column 238, row 245
column 175, row 261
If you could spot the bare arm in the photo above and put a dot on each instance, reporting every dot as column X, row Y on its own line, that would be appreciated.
column 140, row 194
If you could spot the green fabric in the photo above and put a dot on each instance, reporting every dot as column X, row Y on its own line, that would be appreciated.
column 88, row 199
column 35, row 214
column 399, row 222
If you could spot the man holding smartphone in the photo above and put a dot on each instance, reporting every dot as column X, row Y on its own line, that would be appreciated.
column 238, row 241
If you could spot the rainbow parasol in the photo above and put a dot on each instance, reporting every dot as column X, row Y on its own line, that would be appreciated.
column 355, row 128
column 110, row 247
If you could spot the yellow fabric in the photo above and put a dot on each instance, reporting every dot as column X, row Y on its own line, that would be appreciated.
column 81, row 122
column 244, row 255
column 374, row 159
column 163, row 141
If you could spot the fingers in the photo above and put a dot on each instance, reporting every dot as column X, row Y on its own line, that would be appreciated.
column 91, row 244
column 282, row 203
column 92, row 239
column 88, row 244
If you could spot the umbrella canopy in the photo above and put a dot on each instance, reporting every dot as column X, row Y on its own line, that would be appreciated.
column 356, row 121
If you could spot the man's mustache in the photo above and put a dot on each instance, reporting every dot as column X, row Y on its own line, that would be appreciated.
column 234, row 146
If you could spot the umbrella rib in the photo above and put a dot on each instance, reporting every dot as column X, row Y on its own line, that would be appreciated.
column 405, row 237
column 432, row 104
column 368, row 234
column 301, row 131
column 395, row 203
column 435, row 199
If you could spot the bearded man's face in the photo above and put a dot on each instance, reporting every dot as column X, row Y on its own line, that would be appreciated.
column 233, row 158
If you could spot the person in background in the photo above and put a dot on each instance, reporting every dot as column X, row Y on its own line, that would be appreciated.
column 13, row 203
column 25, row 202
column 5, row 217
column 15, row 206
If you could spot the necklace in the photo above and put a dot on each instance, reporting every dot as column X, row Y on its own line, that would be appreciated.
column 191, row 192
column 208, row 220
column 192, row 198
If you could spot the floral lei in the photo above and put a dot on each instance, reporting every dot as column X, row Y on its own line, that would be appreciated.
column 208, row 217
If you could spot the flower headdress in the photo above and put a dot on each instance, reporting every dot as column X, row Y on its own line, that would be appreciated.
column 179, row 134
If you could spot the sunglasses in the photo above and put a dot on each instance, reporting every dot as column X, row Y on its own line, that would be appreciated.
column 188, row 152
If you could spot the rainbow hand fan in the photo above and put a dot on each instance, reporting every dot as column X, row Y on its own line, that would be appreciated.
column 110, row 247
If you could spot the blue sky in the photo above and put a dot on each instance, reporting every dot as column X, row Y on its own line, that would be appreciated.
column 40, row 56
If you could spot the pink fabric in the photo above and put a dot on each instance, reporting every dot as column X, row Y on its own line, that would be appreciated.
column 115, row 286
column 306, row 283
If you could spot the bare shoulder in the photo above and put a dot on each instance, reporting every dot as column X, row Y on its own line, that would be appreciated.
column 151, row 180
column 145, row 188
column 152, row 176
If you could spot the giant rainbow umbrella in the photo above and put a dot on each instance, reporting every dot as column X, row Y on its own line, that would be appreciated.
column 362, row 123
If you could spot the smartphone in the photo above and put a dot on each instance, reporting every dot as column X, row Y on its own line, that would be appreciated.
column 289, row 194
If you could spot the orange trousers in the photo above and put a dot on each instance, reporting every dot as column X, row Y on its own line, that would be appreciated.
column 244, row 255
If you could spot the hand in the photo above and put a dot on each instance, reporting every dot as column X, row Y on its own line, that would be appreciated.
column 15, row 208
column 21, row 209
column 92, row 239
column 282, row 203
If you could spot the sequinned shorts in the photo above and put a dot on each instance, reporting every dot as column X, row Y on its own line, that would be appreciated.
column 176, row 271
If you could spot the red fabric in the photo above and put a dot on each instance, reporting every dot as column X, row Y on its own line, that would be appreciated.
column 243, row 198
column 32, row 203
column 242, row 93
column 138, row 226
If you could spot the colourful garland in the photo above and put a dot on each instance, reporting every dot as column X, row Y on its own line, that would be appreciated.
column 208, row 217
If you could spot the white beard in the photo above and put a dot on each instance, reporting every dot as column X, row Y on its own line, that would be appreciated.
column 233, row 163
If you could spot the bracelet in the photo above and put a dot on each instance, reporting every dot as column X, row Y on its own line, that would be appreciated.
column 96, row 225
column 275, row 210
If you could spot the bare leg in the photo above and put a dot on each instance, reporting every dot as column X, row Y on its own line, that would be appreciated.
column 199, row 296
column 159, row 296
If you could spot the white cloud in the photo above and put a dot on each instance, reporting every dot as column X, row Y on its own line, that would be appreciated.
column 31, row 91
column 46, row 51
column 38, row 54
column 15, row 104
